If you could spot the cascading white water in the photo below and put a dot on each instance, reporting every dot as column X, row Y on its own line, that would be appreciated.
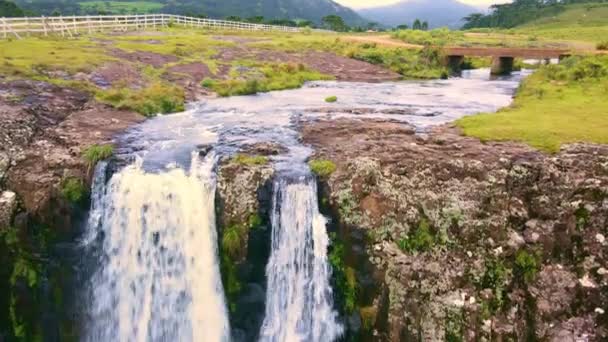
column 158, row 278
column 299, row 296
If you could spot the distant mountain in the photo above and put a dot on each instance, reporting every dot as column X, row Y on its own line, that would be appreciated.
column 437, row 12
column 313, row 10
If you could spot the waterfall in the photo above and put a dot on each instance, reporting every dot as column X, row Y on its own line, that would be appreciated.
column 299, row 296
column 158, row 275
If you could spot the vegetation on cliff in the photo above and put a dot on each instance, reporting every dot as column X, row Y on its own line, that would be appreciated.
column 558, row 104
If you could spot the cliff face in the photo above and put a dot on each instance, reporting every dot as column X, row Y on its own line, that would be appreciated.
column 474, row 241
column 43, row 198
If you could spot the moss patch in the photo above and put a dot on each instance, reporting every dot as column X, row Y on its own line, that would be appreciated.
column 248, row 160
column 331, row 99
column 74, row 190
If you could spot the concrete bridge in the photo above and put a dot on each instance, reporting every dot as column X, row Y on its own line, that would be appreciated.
column 502, row 58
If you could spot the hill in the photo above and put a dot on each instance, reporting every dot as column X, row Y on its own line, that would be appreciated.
column 9, row 9
column 521, row 12
column 312, row 10
column 580, row 22
column 437, row 12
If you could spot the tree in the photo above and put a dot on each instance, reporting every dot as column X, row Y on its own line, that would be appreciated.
column 258, row 19
column 417, row 24
column 424, row 26
column 9, row 9
column 305, row 23
column 334, row 23
column 403, row 27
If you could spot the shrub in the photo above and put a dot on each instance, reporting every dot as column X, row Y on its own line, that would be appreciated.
column 158, row 98
column 526, row 266
column 602, row 45
column 74, row 190
column 420, row 240
column 247, row 160
column 231, row 241
column 494, row 278
column 323, row 168
column 95, row 153
column 368, row 317
column 439, row 36
column 331, row 99
column 236, row 87
column 208, row 83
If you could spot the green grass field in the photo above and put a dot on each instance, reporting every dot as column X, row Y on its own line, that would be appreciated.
column 558, row 104
column 118, row 7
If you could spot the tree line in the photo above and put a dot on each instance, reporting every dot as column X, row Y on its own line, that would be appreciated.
column 417, row 25
column 519, row 12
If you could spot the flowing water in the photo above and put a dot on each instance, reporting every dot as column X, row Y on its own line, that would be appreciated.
column 152, row 232
column 160, row 281
column 299, row 296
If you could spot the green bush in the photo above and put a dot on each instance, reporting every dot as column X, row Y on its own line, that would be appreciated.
column 602, row 45
column 157, row 98
column 95, row 153
column 74, row 190
column 331, row 99
column 232, row 241
column 247, row 160
column 273, row 77
column 323, row 168
column 436, row 37
column 421, row 240
column 495, row 278
column 208, row 83
column 526, row 266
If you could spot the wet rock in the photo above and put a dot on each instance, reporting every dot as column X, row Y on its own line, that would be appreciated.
column 265, row 149
column 8, row 206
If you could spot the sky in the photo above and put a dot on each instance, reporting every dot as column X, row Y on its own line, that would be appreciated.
column 377, row 3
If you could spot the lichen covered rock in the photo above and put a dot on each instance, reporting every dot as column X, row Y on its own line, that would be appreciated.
column 476, row 241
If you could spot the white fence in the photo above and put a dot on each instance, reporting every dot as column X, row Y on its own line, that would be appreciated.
column 68, row 26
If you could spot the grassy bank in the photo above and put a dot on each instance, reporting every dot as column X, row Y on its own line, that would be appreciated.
column 558, row 104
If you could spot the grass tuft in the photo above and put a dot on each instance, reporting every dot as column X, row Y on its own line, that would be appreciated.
column 331, row 99
column 95, row 153
column 602, row 45
column 158, row 98
column 323, row 168
column 247, row 160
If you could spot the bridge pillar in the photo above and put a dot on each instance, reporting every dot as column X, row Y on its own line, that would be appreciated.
column 502, row 65
column 454, row 62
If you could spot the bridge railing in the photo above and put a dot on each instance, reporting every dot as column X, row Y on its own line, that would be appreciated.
column 70, row 25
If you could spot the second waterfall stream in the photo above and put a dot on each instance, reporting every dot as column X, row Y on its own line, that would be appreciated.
column 299, row 296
